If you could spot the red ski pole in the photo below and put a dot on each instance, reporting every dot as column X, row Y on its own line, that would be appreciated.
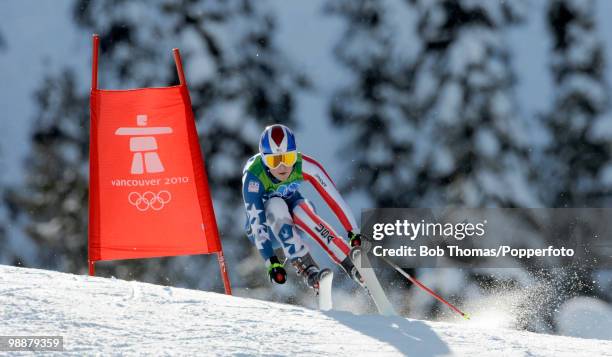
column 428, row 290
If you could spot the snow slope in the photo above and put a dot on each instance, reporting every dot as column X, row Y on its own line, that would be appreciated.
column 103, row 316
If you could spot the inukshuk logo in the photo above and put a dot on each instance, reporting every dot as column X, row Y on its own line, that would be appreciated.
column 143, row 145
column 149, row 200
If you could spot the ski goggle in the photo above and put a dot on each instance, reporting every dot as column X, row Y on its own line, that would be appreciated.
column 275, row 160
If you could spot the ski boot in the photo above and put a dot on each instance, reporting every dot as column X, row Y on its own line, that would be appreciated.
column 350, row 268
column 307, row 268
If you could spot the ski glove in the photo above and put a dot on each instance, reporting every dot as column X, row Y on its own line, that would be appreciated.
column 276, row 271
column 354, row 239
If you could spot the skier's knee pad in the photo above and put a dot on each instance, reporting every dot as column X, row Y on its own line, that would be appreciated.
column 277, row 213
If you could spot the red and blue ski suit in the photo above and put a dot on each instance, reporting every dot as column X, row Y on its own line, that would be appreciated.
column 274, row 209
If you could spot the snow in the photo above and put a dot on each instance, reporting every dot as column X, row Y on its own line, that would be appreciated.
column 585, row 317
column 110, row 316
column 601, row 130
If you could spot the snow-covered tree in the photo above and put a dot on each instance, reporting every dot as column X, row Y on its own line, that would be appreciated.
column 439, row 127
column 576, row 168
column 4, row 257
column 376, row 105
column 54, row 202
column 432, row 113
column 2, row 42
column 239, row 82
column 579, row 158
column 474, row 147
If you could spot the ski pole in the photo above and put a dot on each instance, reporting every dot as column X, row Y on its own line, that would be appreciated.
column 420, row 285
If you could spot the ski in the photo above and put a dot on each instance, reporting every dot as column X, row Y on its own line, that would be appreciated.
column 324, row 296
column 360, row 259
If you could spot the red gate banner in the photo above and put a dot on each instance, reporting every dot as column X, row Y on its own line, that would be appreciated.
column 149, row 194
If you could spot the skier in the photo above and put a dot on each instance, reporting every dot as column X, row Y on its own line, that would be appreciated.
column 275, row 207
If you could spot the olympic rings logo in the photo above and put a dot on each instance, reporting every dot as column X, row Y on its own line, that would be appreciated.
column 149, row 200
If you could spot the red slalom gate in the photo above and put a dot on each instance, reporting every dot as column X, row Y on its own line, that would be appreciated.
column 148, row 188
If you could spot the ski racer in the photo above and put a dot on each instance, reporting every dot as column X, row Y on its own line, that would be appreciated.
column 276, row 210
